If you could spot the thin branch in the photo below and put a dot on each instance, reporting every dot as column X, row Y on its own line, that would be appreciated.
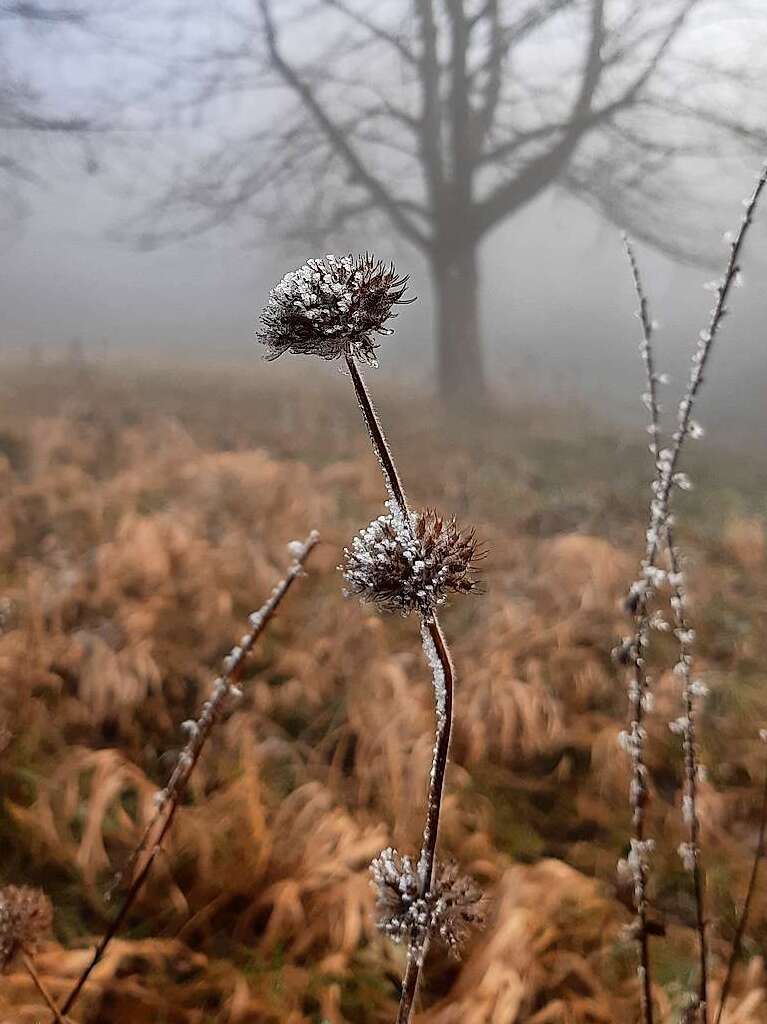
column 27, row 10
column 541, row 170
column 685, row 635
column 700, row 360
column 430, row 116
column 692, row 852
column 224, row 688
column 440, row 663
column 642, row 590
column 378, row 438
column 39, row 984
column 502, row 39
column 377, row 31
column 336, row 136
column 740, row 930
column 646, row 349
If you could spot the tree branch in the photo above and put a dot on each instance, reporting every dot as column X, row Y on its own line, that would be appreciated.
column 377, row 31
column 431, row 131
column 336, row 138
column 542, row 170
column 539, row 172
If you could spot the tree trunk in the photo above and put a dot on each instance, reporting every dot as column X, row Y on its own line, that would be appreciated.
column 460, row 371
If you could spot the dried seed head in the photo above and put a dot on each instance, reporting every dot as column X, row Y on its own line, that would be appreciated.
column 447, row 914
column 25, row 917
column 332, row 307
column 411, row 566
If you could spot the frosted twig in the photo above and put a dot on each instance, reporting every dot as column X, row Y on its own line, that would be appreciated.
column 225, row 687
column 740, row 929
column 650, row 397
column 670, row 458
column 634, row 649
column 639, row 691
column 378, row 439
column 684, row 634
column 692, row 690
column 443, row 679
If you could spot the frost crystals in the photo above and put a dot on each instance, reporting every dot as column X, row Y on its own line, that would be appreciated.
column 447, row 913
column 331, row 307
column 403, row 566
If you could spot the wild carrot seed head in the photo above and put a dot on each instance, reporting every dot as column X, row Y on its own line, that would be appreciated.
column 25, row 917
column 332, row 307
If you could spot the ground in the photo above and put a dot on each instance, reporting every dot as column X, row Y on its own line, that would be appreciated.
column 146, row 512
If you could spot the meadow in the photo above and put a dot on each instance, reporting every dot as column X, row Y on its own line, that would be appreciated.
column 146, row 511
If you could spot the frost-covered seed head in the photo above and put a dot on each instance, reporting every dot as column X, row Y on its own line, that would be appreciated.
column 447, row 914
column 25, row 918
column 331, row 307
column 407, row 567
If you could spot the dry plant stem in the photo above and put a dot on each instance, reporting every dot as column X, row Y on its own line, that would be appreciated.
column 444, row 685
column 40, row 986
column 170, row 797
column 691, row 770
column 639, row 687
column 701, row 357
column 683, row 632
column 646, row 349
column 638, row 693
column 656, row 535
column 761, row 848
column 378, row 438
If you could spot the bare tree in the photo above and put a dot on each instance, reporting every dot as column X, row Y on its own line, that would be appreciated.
column 446, row 117
column 32, row 35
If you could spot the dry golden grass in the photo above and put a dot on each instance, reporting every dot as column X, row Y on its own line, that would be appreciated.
column 145, row 514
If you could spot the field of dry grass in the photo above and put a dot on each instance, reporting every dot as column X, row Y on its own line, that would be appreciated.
column 145, row 514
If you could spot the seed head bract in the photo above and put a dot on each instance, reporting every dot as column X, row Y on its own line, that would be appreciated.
column 453, row 907
column 411, row 565
column 25, row 917
column 332, row 307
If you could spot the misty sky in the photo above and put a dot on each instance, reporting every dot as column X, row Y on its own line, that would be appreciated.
column 556, row 296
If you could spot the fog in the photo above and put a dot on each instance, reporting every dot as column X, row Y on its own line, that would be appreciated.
column 557, row 307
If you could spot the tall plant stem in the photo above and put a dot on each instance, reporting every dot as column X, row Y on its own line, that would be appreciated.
column 378, row 438
column 41, row 988
column 691, row 769
column 159, row 826
column 657, row 537
column 740, row 930
column 683, row 632
column 438, row 658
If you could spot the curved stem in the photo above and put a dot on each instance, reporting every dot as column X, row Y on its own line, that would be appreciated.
column 41, row 987
column 443, row 674
column 377, row 437
column 443, row 678
column 159, row 826
column 761, row 847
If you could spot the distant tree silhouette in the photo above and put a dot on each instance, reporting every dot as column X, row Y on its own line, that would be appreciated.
column 25, row 114
column 448, row 116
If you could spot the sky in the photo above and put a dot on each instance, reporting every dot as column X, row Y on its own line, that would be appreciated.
column 557, row 303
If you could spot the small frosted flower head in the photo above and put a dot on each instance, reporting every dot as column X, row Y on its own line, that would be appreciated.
column 447, row 914
column 411, row 566
column 332, row 307
column 25, row 918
